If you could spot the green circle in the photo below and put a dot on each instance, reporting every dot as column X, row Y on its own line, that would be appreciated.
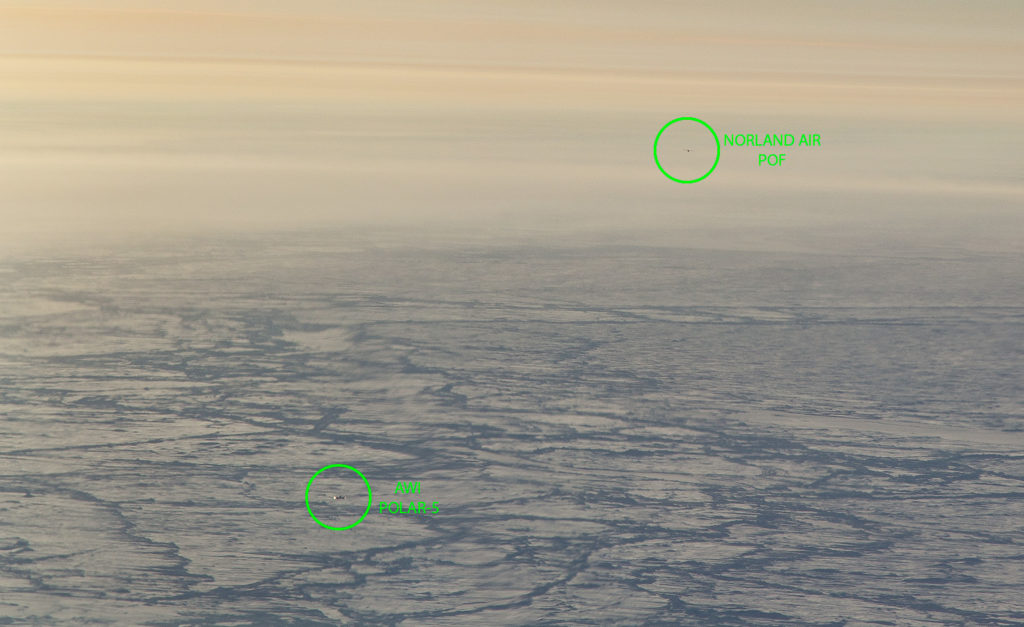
column 718, row 148
column 369, row 497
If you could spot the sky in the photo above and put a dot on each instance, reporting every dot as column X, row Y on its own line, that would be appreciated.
column 123, row 117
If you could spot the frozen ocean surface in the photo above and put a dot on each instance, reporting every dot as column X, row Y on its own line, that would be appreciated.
column 613, row 434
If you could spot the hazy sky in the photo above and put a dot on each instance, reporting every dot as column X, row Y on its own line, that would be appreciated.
column 136, row 115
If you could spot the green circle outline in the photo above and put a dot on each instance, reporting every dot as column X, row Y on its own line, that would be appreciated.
column 718, row 153
column 369, row 497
